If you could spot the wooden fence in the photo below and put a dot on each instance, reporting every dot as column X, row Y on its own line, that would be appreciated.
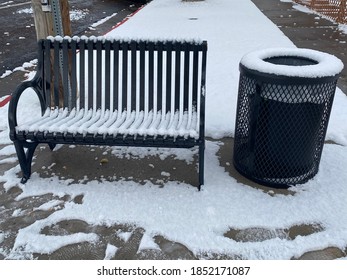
column 335, row 10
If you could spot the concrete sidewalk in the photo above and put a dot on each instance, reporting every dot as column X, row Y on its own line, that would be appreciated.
column 66, row 166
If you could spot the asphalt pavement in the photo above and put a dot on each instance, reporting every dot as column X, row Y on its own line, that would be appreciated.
column 17, row 29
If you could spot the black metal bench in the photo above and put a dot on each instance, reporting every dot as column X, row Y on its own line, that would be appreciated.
column 97, row 91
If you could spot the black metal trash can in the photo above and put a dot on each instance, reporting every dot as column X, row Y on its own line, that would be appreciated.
column 284, row 103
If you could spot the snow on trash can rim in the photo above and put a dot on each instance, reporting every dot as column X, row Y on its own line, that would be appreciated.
column 320, row 64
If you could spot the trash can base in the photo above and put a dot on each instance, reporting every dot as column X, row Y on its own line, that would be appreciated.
column 277, row 183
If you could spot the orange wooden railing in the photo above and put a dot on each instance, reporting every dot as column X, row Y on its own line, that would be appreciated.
column 335, row 10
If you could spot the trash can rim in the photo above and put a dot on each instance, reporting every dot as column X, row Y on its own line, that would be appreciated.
column 326, row 65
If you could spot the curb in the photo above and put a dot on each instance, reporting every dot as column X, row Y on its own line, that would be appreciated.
column 126, row 19
column 5, row 101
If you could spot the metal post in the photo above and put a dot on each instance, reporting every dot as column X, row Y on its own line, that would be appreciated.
column 58, row 28
column 57, row 18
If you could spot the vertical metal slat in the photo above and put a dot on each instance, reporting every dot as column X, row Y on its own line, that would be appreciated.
column 142, row 47
column 186, row 77
column 56, row 73
column 73, row 92
column 168, row 76
column 116, row 95
column 65, row 74
column 90, row 45
column 203, row 84
column 195, row 75
column 107, row 75
column 98, row 74
column 125, row 100
column 82, row 48
column 47, row 71
column 151, row 76
column 133, row 70
column 177, row 76
column 160, row 77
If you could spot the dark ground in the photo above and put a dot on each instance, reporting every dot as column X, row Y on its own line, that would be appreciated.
column 18, row 36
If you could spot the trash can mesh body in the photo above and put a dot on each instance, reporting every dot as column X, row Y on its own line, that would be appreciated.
column 280, row 126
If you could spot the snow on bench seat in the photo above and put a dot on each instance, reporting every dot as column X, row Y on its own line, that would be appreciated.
column 113, row 123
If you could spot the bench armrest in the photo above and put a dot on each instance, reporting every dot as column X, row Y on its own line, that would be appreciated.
column 12, row 109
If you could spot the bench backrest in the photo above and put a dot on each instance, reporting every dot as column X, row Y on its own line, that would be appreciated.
column 98, row 73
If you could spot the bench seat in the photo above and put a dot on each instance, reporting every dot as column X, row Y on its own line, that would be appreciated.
column 112, row 123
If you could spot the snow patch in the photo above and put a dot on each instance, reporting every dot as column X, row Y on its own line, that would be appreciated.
column 326, row 65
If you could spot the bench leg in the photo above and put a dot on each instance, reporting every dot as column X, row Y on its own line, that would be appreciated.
column 25, row 157
column 51, row 146
column 201, row 165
